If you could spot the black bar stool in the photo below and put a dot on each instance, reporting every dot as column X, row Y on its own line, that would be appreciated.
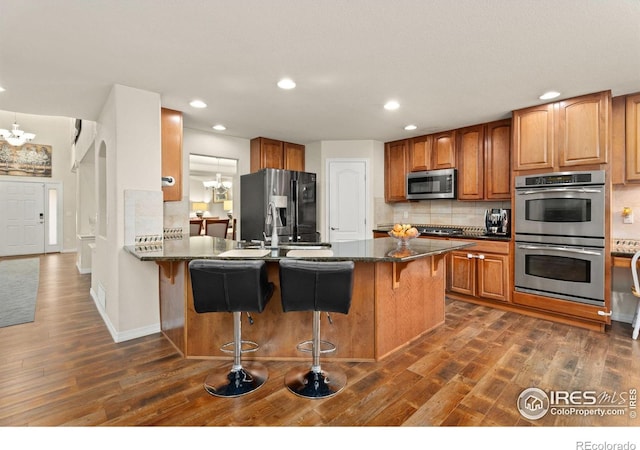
column 318, row 287
column 234, row 286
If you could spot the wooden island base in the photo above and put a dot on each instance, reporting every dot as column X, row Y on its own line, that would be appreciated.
column 393, row 304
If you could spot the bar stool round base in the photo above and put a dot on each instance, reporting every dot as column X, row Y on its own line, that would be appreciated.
column 236, row 383
column 309, row 384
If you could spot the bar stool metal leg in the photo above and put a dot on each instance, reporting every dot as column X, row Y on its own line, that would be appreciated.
column 315, row 382
column 243, row 378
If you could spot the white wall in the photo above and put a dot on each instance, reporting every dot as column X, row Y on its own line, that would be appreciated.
column 57, row 132
column 129, row 129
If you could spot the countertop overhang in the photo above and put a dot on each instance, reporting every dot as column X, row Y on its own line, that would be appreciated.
column 370, row 250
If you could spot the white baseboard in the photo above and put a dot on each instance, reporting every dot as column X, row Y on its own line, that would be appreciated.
column 125, row 335
column 83, row 271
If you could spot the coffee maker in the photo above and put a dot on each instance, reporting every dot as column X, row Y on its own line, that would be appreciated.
column 497, row 222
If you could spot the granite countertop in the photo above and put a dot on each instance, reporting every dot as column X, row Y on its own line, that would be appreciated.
column 370, row 250
column 467, row 232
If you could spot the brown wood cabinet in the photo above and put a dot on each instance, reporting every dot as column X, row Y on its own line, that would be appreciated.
column 482, row 271
column 171, row 149
column 396, row 165
column 420, row 153
column 484, row 161
column 274, row 154
column 632, row 137
column 433, row 151
column 564, row 134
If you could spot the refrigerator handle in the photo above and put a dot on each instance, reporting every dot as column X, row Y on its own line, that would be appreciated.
column 293, row 188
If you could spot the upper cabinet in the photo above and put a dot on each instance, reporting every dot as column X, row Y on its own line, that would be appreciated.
column 568, row 133
column 270, row 153
column 396, row 165
column 625, row 139
column 632, row 137
column 434, row 151
column 484, row 155
column 171, row 144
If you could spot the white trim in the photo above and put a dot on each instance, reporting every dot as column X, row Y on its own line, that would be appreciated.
column 126, row 335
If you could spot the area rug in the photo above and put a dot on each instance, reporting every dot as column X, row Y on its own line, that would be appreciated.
column 18, row 290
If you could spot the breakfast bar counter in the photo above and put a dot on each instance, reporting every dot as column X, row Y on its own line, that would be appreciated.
column 398, row 296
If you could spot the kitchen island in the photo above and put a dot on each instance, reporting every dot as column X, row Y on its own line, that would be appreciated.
column 398, row 296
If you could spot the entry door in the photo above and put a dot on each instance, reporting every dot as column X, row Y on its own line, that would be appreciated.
column 22, row 218
column 347, row 218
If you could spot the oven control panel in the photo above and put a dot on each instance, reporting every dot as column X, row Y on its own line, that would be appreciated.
column 561, row 179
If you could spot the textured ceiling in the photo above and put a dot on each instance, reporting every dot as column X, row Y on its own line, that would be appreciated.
column 448, row 63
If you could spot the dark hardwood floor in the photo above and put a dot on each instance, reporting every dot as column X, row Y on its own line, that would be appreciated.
column 64, row 369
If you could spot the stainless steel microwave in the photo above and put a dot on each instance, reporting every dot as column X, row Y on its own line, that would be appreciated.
column 432, row 184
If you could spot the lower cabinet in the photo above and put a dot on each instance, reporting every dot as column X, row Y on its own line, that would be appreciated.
column 482, row 272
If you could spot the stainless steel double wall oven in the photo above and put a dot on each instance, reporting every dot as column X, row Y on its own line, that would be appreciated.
column 560, row 235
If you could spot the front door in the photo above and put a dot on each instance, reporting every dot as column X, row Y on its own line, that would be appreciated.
column 22, row 218
column 347, row 218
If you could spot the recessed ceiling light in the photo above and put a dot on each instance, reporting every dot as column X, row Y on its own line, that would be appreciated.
column 391, row 105
column 549, row 95
column 286, row 83
column 198, row 104
column 410, row 127
column 2, row 89
column 219, row 127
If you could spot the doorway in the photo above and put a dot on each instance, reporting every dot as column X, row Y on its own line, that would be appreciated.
column 31, row 222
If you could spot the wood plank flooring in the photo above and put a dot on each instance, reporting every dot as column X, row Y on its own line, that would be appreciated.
column 64, row 369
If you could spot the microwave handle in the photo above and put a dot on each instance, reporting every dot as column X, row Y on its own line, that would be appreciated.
column 561, row 249
column 579, row 190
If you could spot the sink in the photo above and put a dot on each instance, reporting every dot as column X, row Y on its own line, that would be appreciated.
column 310, row 253
column 246, row 253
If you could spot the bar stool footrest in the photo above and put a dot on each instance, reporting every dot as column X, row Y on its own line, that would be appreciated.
column 229, row 347
column 307, row 346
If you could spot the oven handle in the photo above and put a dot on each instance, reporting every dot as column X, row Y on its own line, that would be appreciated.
column 561, row 249
column 579, row 190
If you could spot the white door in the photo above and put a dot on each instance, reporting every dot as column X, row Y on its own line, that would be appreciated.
column 347, row 194
column 22, row 218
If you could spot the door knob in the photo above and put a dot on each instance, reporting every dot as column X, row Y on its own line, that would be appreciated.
column 334, row 228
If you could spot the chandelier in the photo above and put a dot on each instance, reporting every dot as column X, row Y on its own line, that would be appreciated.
column 16, row 137
column 219, row 186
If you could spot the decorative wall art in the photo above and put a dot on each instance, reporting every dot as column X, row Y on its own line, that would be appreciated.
column 28, row 160
column 219, row 197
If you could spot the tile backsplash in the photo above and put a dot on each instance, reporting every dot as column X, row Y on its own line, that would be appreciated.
column 435, row 212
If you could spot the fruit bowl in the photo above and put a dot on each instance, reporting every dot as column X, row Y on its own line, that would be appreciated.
column 403, row 240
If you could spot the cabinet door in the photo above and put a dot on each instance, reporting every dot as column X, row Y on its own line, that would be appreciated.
column 497, row 157
column 171, row 145
column 583, row 129
column 395, row 171
column 533, row 138
column 618, row 157
column 420, row 153
column 444, row 150
column 462, row 273
column 293, row 156
column 266, row 153
column 493, row 277
column 633, row 137
column 471, row 163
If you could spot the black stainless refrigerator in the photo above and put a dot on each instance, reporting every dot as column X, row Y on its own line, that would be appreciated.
column 293, row 196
